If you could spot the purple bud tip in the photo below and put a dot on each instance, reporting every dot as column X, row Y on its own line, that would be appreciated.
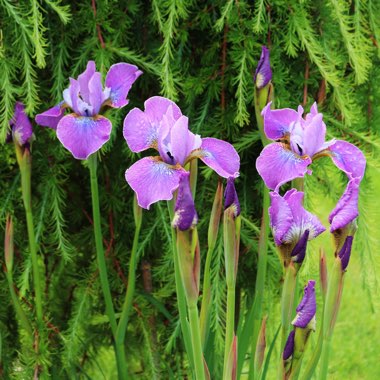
column 289, row 346
column 185, row 215
column 345, row 252
column 263, row 74
column 307, row 308
column 230, row 197
column 299, row 250
column 21, row 127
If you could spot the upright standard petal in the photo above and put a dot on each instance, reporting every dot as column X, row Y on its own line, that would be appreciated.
column 220, row 156
column 96, row 96
column 84, row 80
column 83, row 136
column 263, row 73
column 307, row 308
column 346, row 209
column 280, row 216
column 314, row 135
column 21, row 126
column 182, row 140
column 185, row 214
column 278, row 122
column 51, row 117
column 349, row 158
column 278, row 165
column 152, row 180
column 119, row 79
column 141, row 127
column 71, row 95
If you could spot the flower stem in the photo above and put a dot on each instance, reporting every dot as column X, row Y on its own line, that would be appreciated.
column 196, row 341
column 206, row 297
column 260, row 279
column 181, row 298
column 26, row 169
column 123, row 322
column 119, row 349
column 287, row 301
column 230, row 328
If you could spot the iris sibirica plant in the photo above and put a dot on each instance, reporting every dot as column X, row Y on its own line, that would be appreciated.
column 163, row 127
column 83, row 132
column 297, row 142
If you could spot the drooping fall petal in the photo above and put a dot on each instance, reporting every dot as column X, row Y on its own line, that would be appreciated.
column 153, row 180
column 83, row 136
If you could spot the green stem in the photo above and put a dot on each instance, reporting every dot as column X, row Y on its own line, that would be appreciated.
column 181, row 298
column 287, row 301
column 196, row 342
column 230, row 328
column 25, row 168
column 102, row 266
column 123, row 322
column 206, row 297
column 260, row 279
column 325, row 358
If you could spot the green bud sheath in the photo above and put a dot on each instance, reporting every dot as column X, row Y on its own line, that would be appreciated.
column 8, row 244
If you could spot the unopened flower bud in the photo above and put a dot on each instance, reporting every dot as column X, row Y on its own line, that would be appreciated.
column 185, row 215
column 263, row 74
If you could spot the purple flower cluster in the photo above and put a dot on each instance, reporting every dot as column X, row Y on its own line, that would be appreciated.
column 161, row 126
column 297, row 142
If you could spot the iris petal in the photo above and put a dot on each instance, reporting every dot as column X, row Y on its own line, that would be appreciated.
column 307, row 308
column 51, row 117
column 83, row 136
column 346, row 209
column 278, row 165
column 141, row 128
column 153, row 180
column 119, row 79
column 277, row 122
column 220, row 156
column 349, row 158
column 281, row 217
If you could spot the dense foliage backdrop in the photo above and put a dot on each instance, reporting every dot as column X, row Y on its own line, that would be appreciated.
column 201, row 54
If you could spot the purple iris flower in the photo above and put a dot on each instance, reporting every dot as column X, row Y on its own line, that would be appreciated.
column 291, row 224
column 263, row 74
column 85, row 131
column 21, row 128
column 307, row 308
column 162, row 126
column 298, row 142
column 185, row 214
column 231, row 197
